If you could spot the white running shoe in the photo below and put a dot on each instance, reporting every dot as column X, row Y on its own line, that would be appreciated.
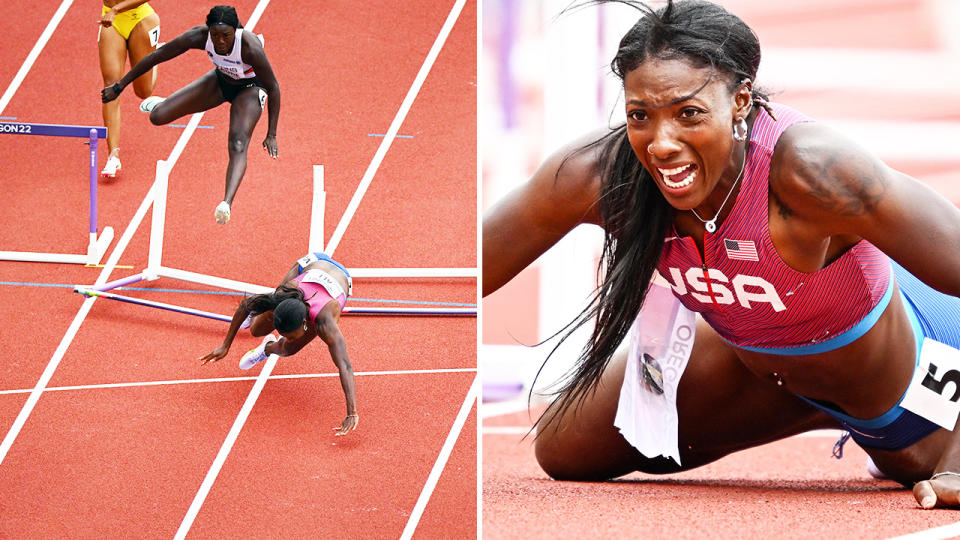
column 247, row 322
column 222, row 213
column 112, row 167
column 257, row 355
column 150, row 103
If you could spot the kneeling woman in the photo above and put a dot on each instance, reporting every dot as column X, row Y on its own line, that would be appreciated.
column 307, row 304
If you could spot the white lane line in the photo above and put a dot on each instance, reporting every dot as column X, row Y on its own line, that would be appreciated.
column 34, row 53
column 44, row 379
column 72, row 330
column 394, row 127
column 939, row 533
column 68, row 337
column 237, row 379
column 441, row 462
column 225, row 448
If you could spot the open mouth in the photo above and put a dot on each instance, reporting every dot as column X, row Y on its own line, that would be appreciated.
column 679, row 177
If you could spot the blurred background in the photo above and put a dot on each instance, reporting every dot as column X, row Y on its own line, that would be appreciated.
column 885, row 72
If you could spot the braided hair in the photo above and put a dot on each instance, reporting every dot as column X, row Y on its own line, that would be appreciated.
column 224, row 15
column 634, row 213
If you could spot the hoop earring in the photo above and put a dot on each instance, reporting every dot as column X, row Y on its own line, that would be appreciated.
column 740, row 130
column 650, row 149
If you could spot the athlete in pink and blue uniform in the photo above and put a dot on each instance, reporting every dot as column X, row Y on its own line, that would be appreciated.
column 820, row 273
column 242, row 76
column 306, row 305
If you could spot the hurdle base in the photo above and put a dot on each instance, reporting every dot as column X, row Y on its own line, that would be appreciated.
column 95, row 252
column 97, row 247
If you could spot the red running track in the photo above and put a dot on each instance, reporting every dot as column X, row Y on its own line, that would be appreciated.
column 127, row 460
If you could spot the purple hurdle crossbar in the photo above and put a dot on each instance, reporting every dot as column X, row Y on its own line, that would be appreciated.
column 55, row 130
column 116, row 283
column 352, row 310
column 148, row 303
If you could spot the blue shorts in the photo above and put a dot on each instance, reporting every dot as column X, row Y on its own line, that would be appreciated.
column 934, row 315
column 311, row 258
column 319, row 256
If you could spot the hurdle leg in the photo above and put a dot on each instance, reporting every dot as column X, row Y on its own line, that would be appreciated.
column 316, row 217
column 97, row 246
column 157, row 221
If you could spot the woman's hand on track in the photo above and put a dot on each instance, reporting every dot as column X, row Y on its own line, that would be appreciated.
column 349, row 424
column 270, row 145
column 940, row 492
column 213, row 356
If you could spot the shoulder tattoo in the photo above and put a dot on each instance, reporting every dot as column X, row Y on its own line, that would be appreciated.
column 848, row 185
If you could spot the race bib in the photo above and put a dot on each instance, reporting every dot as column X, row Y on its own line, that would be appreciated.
column 934, row 392
column 323, row 279
column 154, row 35
column 232, row 72
column 307, row 260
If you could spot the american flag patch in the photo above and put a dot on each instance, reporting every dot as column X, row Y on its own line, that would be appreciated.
column 741, row 250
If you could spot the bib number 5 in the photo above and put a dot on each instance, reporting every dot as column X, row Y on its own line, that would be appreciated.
column 936, row 398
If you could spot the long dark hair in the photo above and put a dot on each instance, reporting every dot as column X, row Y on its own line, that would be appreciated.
column 261, row 303
column 634, row 213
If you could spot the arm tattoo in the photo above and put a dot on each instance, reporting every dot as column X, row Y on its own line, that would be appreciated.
column 849, row 186
column 782, row 208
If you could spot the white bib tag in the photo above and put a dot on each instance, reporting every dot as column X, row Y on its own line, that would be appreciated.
column 931, row 394
column 307, row 260
column 647, row 410
column 322, row 278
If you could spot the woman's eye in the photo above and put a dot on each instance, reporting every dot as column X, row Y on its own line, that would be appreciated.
column 689, row 113
column 637, row 116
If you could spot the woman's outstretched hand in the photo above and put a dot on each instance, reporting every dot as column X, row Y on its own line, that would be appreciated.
column 349, row 424
column 214, row 355
column 270, row 145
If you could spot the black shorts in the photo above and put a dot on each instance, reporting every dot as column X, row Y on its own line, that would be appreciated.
column 230, row 90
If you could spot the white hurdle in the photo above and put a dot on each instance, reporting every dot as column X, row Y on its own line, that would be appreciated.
column 316, row 213
column 98, row 242
column 155, row 268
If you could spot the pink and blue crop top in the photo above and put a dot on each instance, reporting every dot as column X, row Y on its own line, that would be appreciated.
column 745, row 291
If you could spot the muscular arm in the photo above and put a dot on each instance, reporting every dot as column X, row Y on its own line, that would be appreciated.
column 536, row 215
column 238, row 317
column 839, row 193
column 195, row 38
column 829, row 194
column 329, row 332
column 252, row 53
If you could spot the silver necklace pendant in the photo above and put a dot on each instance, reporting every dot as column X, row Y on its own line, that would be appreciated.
column 711, row 225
